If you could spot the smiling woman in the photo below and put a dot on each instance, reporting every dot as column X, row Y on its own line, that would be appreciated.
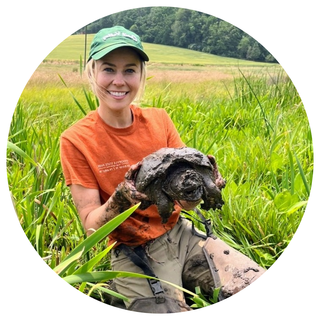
column 101, row 156
column 116, row 79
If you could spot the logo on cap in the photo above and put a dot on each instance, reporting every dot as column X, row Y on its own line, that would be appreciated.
column 117, row 34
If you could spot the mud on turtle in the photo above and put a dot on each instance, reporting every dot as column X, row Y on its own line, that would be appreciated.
column 171, row 174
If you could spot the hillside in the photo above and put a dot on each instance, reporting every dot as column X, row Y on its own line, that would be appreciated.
column 183, row 28
column 74, row 46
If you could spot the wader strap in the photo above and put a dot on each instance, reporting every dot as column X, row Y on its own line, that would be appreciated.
column 209, row 257
column 138, row 256
column 204, row 221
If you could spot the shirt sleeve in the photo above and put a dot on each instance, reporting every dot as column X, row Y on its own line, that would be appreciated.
column 75, row 166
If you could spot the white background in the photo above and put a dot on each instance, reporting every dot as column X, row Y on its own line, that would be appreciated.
column 31, row 29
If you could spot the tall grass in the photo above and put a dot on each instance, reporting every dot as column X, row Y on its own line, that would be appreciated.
column 262, row 142
column 258, row 132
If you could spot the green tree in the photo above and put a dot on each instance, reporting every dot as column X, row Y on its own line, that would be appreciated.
column 254, row 52
column 180, row 29
column 243, row 47
column 186, row 29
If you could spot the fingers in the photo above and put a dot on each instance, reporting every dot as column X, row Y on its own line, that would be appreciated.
column 128, row 187
column 133, row 171
column 132, row 192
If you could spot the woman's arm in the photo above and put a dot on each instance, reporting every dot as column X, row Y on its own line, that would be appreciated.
column 93, row 214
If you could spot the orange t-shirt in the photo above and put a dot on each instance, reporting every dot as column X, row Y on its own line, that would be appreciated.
column 97, row 156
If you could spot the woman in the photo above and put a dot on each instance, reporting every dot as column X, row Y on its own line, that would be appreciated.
column 100, row 155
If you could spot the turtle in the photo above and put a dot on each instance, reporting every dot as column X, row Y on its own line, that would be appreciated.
column 175, row 174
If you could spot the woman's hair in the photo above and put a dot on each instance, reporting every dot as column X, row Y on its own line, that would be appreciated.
column 90, row 70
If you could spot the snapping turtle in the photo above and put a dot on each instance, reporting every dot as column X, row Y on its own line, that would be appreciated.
column 174, row 174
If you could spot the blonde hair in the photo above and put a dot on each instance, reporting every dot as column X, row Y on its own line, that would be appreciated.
column 90, row 70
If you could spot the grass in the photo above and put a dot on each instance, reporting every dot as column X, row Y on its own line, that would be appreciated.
column 263, row 145
column 250, row 118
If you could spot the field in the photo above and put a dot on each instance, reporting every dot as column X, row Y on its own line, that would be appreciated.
column 248, row 115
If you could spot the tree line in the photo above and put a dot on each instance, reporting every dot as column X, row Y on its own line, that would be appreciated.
column 186, row 29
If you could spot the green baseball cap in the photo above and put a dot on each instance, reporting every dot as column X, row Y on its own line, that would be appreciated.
column 109, row 39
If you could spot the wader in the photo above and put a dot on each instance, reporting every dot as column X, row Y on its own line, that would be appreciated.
column 183, row 256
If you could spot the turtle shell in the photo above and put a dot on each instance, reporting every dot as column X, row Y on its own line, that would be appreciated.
column 156, row 165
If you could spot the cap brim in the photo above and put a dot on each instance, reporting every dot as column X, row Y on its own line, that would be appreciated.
column 98, row 55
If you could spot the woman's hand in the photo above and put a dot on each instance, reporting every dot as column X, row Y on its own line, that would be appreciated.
column 93, row 214
column 126, row 193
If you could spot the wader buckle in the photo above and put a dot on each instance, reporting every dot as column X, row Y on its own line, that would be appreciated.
column 138, row 256
column 157, row 290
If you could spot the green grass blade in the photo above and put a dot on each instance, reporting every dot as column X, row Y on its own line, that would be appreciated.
column 292, row 171
column 103, row 276
column 91, row 101
column 88, row 266
column 73, row 96
column 101, row 287
column 39, row 239
column 64, row 266
column 215, row 296
column 21, row 153
column 268, row 125
column 100, row 276
column 296, row 207
column 305, row 182
column 102, row 232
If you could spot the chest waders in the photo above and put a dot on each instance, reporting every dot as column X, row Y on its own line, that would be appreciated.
column 230, row 270
column 160, row 303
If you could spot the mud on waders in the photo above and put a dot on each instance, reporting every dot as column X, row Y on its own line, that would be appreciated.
column 231, row 271
column 163, row 303
column 209, row 234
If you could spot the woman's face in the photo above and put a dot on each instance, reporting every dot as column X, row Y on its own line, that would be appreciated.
column 118, row 78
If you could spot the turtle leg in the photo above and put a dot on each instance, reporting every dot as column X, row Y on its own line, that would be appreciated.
column 145, row 204
column 165, row 206
column 218, row 180
column 160, row 199
column 212, row 197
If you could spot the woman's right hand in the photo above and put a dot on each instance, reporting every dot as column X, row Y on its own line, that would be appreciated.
column 126, row 193
column 93, row 214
